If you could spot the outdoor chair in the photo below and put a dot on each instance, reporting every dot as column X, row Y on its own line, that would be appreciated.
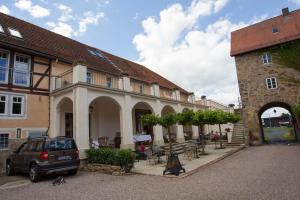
column 150, row 156
column 190, row 151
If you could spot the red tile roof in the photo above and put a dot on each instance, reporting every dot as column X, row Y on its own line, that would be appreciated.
column 260, row 35
column 57, row 46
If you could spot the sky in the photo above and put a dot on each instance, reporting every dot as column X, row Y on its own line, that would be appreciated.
column 186, row 41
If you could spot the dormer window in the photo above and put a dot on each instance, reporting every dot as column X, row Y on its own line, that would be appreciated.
column 1, row 29
column 15, row 33
column 266, row 58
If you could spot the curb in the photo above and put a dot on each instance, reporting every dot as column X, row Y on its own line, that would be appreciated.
column 184, row 175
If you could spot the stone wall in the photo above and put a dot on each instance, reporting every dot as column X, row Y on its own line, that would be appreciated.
column 255, row 95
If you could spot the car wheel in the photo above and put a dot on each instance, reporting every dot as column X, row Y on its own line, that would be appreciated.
column 72, row 172
column 9, row 169
column 33, row 173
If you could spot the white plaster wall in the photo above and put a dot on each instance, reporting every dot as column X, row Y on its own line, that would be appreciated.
column 105, row 119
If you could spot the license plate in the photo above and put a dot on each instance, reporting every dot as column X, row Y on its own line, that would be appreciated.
column 64, row 158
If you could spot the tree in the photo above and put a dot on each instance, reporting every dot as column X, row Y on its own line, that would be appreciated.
column 221, row 117
column 167, row 121
column 150, row 120
column 186, row 117
column 296, row 110
column 200, row 119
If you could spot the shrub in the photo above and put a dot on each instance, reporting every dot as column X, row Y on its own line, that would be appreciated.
column 119, row 157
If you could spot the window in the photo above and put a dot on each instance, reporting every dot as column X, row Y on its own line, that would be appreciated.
column 3, row 67
column 3, row 100
column 1, row 29
column 271, row 83
column 17, row 105
column 59, row 145
column 92, row 52
column 109, row 82
column 266, row 58
column 21, row 70
column 4, row 140
column 15, row 33
column 89, row 77
column 141, row 88
column 12, row 105
column 274, row 30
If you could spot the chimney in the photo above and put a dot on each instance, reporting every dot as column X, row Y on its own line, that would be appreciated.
column 285, row 11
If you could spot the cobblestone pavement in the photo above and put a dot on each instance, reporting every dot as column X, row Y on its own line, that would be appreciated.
column 266, row 172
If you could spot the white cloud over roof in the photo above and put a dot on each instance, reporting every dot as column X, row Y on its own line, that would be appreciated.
column 196, row 59
column 35, row 11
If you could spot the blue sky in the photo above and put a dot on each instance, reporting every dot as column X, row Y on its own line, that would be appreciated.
column 136, row 30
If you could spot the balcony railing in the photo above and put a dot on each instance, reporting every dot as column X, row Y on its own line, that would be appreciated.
column 63, row 80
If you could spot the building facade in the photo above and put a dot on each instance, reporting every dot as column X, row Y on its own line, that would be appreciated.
column 53, row 85
column 264, row 82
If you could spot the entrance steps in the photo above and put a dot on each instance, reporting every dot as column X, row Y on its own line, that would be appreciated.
column 238, row 136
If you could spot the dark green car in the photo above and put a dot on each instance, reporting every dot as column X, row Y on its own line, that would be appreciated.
column 41, row 156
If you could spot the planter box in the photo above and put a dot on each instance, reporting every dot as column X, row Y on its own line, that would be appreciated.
column 102, row 168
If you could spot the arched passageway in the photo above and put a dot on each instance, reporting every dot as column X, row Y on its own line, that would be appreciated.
column 65, row 117
column 138, row 111
column 277, row 123
column 104, row 122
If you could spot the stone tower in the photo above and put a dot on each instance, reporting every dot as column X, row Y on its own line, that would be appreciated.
column 263, row 82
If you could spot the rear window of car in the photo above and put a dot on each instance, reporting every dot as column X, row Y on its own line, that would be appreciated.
column 59, row 145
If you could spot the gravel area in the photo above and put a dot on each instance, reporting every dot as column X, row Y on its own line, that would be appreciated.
column 266, row 172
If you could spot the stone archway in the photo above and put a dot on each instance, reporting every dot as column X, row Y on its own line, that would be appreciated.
column 267, row 124
column 105, row 122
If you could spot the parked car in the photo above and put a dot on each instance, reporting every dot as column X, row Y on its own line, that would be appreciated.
column 41, row 156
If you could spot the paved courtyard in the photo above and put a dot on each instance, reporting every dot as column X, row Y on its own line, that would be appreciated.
column 267, row 172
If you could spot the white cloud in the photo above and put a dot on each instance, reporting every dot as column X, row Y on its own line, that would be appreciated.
column 4, row 9
column 61, row 28
column 172, row 45
column 296, row 2
column 66, row 13
column 89, row 18
column 35, row 11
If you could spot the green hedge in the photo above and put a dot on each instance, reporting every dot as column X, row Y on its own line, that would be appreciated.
column 118, row 157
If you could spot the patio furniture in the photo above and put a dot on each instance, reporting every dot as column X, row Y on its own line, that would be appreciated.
column 104, row 141
column 150, row 156
column 190, row 151
column 158, row 152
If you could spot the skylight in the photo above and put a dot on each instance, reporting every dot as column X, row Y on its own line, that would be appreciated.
column 96, row 53
column 92, row 52
column 14, row 32
column 1, row 29
column 99, row 54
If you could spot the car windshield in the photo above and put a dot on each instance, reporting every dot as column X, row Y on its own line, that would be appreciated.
column 61, row 144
